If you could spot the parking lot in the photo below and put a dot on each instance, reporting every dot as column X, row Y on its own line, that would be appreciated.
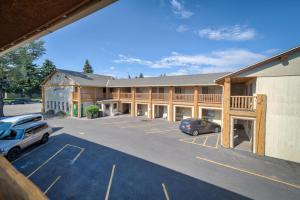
column 136, row 158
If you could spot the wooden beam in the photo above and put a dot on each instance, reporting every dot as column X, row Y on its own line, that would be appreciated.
column 196, row 102
column 226, row 114
column 79, row 102
column 170, row 114
column 133, row 110
column 260, row 124
column 14, row 185
column 150, row 103
column 119, row 103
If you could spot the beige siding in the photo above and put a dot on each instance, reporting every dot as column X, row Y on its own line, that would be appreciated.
column 288, row 67
column 59, row 79
column 283, row 115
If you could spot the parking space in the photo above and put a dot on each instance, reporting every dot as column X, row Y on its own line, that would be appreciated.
column 137, row 158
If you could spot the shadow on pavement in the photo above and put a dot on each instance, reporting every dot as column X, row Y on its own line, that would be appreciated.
column 88, row 176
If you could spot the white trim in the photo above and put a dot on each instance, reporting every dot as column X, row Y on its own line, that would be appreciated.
column 182, row 106
column 159, row 104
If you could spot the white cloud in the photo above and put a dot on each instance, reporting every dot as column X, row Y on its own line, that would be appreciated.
column 182, row 28
column 179, row 9
column 112, row 68
column 216, row 61
column 233, row 33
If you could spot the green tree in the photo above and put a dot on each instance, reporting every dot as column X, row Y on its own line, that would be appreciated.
column 18, row 72
column 141, row 75
column 46, row 69
column 87, row 68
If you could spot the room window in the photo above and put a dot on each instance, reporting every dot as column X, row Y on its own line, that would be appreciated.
column 104, row 90
column 67, row 107
column 63, row 106
column 59, row 105
column 54, row 105
column 115, row 106
column 51, row 104
column 48, row 105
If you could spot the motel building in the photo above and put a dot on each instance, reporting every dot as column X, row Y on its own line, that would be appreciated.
column 258, row 107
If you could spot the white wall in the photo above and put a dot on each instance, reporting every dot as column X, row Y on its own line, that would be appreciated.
column 283, row 115
column 58, row 94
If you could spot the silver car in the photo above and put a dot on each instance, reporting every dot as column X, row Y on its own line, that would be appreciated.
column 23, row 136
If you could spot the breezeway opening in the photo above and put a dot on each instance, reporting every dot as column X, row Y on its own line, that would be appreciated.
column 243, row 134
column 183, row 113
column 161, row 111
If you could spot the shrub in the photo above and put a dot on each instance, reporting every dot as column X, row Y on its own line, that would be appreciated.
column 61, row 113
column 92, row 111
column 50, row 112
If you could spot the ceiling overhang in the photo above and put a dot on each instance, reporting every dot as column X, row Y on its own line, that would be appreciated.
column 22, row 21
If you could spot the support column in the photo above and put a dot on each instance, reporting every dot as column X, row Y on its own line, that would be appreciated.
column 119, row 103
column 79, row 102
column 72, row 103
column 43, row 98
column 260, row 124
column 133, row 110
column 171, row 114
column 196, row 102
column 150, row 103
column 95, row 95
column 226, row 117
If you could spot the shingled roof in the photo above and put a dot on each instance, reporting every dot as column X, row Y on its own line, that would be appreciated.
column 182, row 80
column 84, row 79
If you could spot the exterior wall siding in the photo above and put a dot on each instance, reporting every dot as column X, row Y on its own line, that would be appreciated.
column 282, row 116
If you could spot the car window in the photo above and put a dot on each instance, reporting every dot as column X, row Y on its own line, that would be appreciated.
column 14, row 134
column 28, row 120
column 203, row 123
column 4, row 126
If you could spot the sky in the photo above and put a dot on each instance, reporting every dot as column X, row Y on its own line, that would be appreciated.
column 176, row 37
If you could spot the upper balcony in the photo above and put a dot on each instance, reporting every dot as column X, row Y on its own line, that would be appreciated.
column 142, row 96
column 160, row 96
column 243, row 103
column 125, row 95
column 211, row 98
column 189, row 98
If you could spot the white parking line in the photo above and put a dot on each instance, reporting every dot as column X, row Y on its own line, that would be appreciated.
column 165, row 191
column 74, row 159
column 110, row 182
column 50, row 186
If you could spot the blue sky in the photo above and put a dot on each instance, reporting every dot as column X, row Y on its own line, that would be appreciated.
column 176, row 36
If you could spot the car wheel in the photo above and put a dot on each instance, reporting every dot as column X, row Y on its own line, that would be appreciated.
column 45, row 138
column 217, row 129
column 13, row 153
column 195, row 132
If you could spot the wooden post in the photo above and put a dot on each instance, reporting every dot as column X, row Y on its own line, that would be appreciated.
column 43, row 98
column 95, row 95
column 119, row 103
column 260, row 124
column 133, row 110
column 226, row 116
column 72, row 103
column 170, row 115
column 196, row 100
column 79, row 101
column 150, row 103
column 14, row 185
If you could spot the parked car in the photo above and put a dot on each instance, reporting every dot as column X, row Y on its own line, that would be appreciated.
column 19, row 101
column 198, row 126
column 10, row 122
column 23, row 136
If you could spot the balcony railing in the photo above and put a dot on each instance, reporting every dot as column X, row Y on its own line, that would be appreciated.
column 143, row 96
column 125, row 95
column 243, row 103
column 114, row 95
column 160, row 96
column 183, row 97
column 210, row 98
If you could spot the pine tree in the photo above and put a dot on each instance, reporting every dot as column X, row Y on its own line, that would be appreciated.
column 47, row 68
column 141, row 75
column 87, row 68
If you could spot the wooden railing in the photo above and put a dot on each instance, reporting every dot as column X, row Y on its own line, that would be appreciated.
column 160, row 96
column 183, row 97
column 142, row 96
column 114, row 95
column 125, row 95
column 243, row 103
column 210, row 98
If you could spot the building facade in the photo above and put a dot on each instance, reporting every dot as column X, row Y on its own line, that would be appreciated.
column 258, row 106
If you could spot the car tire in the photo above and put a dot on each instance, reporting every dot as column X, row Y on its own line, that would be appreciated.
column 45, row 138
column 13, row 153
column 195, row 132
column 217, row 129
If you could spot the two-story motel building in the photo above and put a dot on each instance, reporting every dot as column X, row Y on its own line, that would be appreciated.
column 263, row 98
